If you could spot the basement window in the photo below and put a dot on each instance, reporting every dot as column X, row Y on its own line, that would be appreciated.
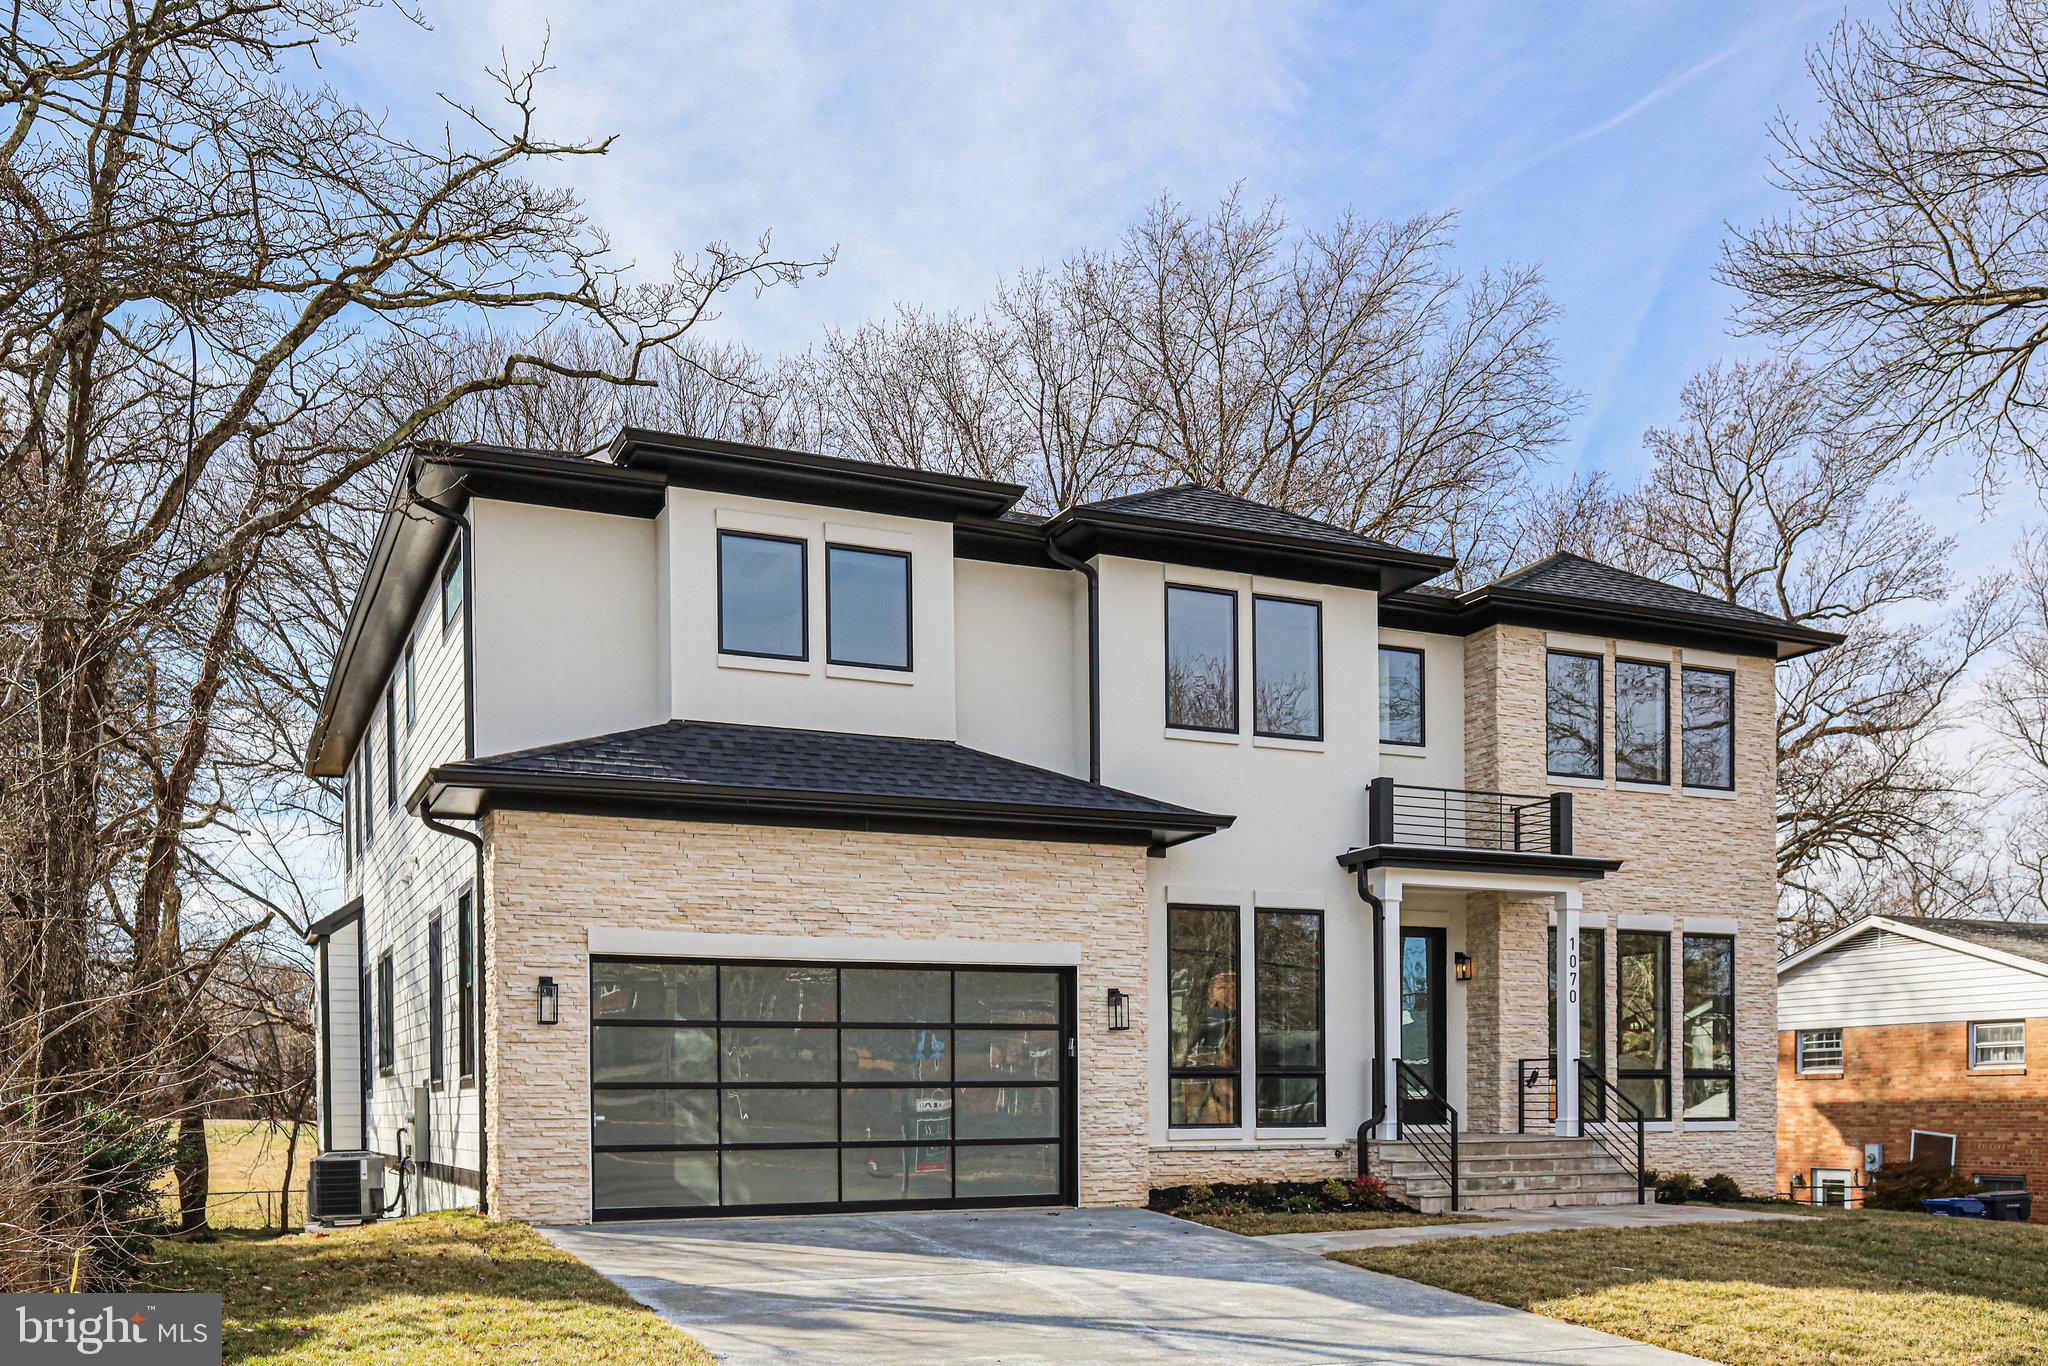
column 1929, row 1145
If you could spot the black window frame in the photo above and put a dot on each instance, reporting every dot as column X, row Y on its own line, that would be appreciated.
column 1663, row 1072
column 1599, row 773
column 366, row 1011
column 803, row 578
column 1235, row 1071
column 1421, row 696
column 1685, row 743
column 366, row 805
column 1664, row 748
column 1236, row 662
column 436, row 1003
column 1315, row 604
column 411, row 692
column 465, row 985
column 387, row 1015
column 454, row 585
column 1260, row 1071
column 909, row 663
column 1834, row 1069
column 391, row 744
column 1686, row 1071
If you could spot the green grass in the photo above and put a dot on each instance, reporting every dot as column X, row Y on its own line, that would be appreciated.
column 246, row 1158
column 434, row 1288
column 1869, row 1286
column 1325, row 1221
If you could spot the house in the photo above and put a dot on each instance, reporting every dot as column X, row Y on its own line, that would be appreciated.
column 1902, row 1038
column 731, row 828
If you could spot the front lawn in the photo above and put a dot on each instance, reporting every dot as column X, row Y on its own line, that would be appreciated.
column 434, row 1288
column 1870, row 1286
column 1259, row 1224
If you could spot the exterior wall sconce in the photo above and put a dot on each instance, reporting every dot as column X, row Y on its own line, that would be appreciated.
column 550, row 1002
column 1119, row 1009
column 1461, row 966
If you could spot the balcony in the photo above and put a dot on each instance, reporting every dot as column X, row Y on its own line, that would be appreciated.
column 1459, row 818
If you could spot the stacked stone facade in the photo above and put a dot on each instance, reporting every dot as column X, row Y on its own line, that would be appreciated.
column 552, row 878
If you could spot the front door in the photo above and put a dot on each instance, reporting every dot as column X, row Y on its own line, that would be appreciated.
column 1422, row 1023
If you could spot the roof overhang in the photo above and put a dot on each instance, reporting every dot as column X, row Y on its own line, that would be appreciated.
column 1461, row 869
column 800, row 476
column 334, row 920
column 465, row 791
column 1869, row 924
column 1482, row 607
column 1085, row 532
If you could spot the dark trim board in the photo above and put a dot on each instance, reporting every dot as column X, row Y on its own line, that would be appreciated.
column 803, row 477
column 1464, row 615
column 1575, row 867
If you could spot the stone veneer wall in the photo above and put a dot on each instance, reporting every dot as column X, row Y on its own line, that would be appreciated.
column 550, row 877
column 1684, row 856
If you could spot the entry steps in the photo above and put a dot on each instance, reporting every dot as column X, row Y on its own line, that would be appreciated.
column 1506, row 1171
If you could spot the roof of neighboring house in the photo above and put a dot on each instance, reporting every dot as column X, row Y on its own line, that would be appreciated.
column 1566, row 591
column 2023, row 943
column 834, row 777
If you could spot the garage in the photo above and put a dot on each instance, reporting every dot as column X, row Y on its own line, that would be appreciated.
column 721, row 1086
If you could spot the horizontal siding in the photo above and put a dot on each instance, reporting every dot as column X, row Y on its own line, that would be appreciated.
column 339, row 1058
column 1881, row 978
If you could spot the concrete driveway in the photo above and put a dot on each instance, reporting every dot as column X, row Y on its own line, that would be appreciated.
column 1040, row 1285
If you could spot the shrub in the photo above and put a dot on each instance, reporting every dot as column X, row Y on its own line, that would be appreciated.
column 1903, row 1185
column 1370, row 1192
column 1720, row 1188
column 1675, row 1188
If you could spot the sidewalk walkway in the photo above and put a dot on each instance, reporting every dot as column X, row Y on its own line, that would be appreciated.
column 1525, row 1221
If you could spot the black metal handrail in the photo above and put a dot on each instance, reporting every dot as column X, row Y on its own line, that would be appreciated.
column 1613, row 1123
column 1468, row 818
column 1537, row 1091
column 1438, row 1148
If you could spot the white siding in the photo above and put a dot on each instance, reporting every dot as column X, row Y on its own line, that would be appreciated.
column 1014, row 636
column 1880, row 978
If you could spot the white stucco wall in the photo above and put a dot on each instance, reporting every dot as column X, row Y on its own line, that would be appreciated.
column 1440, row 760
column 567, row 624
column 1015, row 641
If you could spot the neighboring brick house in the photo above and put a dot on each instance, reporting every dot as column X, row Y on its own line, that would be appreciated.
column 735, row 828
column 1902, row 1037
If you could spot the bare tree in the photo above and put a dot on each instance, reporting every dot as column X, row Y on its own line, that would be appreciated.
column 214, row 285
column 1913, row 255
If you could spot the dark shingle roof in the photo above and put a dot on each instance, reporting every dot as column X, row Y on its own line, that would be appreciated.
column 1200, row 505
column 686, row 759
column 1575, row 576
column 2021, row 938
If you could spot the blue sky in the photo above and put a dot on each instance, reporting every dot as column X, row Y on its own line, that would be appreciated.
column 941, row 147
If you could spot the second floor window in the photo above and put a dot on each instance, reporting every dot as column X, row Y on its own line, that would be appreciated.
column 1201, row 658
column 1287, row 668
column 451, row 585
column 391, row 745
column 1571, row 715
column 761, row 596
column 867, row 607
column 1642, row 721
column 1400, row 695
column 1818, row 1050
column 1709, row 721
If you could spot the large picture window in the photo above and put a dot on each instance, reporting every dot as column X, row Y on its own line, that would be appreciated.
column 1708, row 1044
column 867, row 607
column 761, row 596
column 1709, row 728
column 1287, row 668
column 1642, row 721
column 1401, row 716
column 1201, row 658
column 1642, row 1020
column 1571, row 715
column 1288, row 946
column 1202, row 1060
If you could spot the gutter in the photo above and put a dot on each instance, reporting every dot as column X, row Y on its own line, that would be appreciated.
column 1379, row 1027
column 1088, row 571
column 483, row 1051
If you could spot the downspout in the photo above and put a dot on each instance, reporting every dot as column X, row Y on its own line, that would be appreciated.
column 1088, row 572
column 1379, row 1026
column 483, row 1053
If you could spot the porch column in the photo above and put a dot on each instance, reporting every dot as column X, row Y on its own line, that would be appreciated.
column 1569, row 906
column 1388, row 1000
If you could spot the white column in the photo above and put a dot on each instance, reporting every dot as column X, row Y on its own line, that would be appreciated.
column 1568, row 909
column 1388, row 890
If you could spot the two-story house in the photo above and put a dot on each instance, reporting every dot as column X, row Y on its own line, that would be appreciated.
column 737, row 829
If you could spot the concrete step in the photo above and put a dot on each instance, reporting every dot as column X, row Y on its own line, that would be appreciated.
column 1440, row 1203
column 1506, row 1172
column 1588, row 1165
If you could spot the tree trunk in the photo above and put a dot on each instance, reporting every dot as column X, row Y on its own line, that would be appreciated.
column 194, row 1168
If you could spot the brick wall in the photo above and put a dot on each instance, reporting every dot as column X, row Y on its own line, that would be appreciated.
column 1898, row 1078
column 550, row 878
column 1688, row 859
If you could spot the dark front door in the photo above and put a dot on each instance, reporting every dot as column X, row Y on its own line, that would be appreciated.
column 1422, row 1024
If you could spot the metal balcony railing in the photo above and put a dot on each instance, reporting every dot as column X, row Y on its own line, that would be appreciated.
column 1461, row 818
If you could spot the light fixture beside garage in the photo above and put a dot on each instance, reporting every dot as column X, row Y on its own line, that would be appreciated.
column 550, row 1002
column 1119, row 1009
column 1461, row 966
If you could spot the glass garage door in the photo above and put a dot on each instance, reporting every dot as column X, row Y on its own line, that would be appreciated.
column 748, row 1087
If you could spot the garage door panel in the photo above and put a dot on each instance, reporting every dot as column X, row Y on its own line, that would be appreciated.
column 794, row 1086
